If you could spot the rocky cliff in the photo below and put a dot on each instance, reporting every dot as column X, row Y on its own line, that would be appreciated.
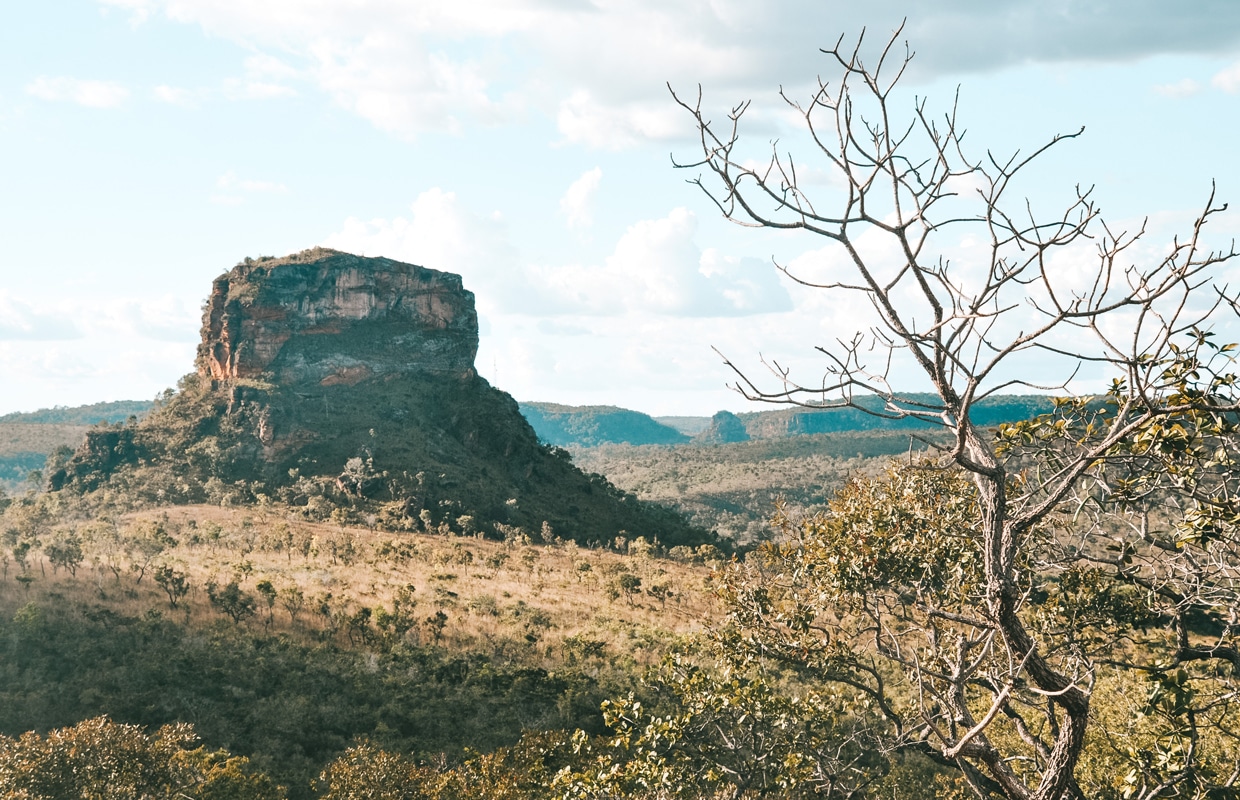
column 322, row 316
column 346, row 385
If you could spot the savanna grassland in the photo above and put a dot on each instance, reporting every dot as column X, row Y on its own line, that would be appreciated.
column 734, row 488
column 286, row 639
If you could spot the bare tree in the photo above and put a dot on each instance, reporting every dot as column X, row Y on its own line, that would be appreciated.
column 995, row 683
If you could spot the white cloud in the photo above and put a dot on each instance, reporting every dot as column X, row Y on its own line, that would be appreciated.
column 22, row 319
column 176, row 96
column 89, row 370
column 1185, row 87
column 263, row 65
column 70, row 318
column 402, row 87
column 242, row 89
column 88, row 93
column 600, row 68
column 265, row 78
column 585, row 119
column 440, row 233
column 139, row 10
column 234, row 189
column 655, row 269
column 161, row 319
column 577, row 200
column 1228, row 79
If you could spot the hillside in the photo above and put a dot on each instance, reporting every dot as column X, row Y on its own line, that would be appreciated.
column 797, row 421
column 283, row 639
column 733, row 488
column 27, row 439
column 591, row 426
column 93, row 414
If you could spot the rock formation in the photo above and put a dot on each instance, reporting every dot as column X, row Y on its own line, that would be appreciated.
column 334, row 383
column 322, row 316
column 725, row 428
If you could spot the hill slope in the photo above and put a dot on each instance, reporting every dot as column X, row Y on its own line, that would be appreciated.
column 589, row 426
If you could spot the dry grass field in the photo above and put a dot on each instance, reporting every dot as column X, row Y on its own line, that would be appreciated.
column 551, row 601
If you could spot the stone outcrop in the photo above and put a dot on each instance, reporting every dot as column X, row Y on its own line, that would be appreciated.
column 725, row 428
column 331, row 318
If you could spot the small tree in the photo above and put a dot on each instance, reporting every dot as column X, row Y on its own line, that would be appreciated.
column 293, row 600
column 65, row 551
column 100, row 758
column 268, row 591
column 630, row 585
column 435, row 624
column 174, row 583
column 232, row 600
column 660, row 592
column 1002, row 607
column 147, row 541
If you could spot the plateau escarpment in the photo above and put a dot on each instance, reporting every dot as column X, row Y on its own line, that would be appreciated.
column 346, row 386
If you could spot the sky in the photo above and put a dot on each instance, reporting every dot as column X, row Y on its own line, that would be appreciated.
column 146, row 146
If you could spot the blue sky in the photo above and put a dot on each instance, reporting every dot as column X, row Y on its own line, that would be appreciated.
column 148, row 145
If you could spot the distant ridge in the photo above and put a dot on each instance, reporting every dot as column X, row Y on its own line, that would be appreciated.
column 797, row 421
column 590, row 426
column 554, row 423
column 93, row 414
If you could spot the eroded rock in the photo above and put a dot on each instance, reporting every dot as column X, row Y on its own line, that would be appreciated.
column 326, row 317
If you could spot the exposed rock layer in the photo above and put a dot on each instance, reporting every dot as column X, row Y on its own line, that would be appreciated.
column 322, row 316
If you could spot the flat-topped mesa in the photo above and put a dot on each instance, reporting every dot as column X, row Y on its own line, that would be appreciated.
column 326, row 317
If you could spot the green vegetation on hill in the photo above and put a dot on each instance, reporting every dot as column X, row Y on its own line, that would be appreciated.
column 733, row 488
column 16, row 467
column 423, row 453
column 27, row 439
column 92, row 414
column 593, row 426
column 25, row 446
column 798, row 421
column 292, row 706
column 589, row 426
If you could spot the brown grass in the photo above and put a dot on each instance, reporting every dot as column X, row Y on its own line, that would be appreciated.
column 509, row 599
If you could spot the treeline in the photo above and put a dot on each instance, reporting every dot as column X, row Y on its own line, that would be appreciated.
column 93, row 414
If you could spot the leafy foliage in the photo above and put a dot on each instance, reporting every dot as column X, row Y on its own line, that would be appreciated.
column 99, row 758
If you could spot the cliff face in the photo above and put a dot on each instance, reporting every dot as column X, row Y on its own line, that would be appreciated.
column 326, row 317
